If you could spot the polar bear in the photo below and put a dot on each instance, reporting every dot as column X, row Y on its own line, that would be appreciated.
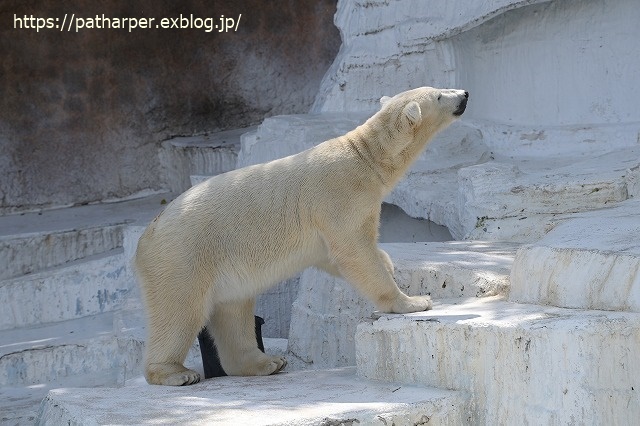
column 206, row 257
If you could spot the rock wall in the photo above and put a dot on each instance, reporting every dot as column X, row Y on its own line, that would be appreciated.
column 82, row 114
column 530, row 66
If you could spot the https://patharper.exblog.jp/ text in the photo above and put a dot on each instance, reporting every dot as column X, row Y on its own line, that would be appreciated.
column 70, row 22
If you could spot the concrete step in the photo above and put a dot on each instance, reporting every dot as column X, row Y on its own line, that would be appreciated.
column 495, row 196
column 48, row 353
column 334, row 397
column 521, row 364
column 591, row 261
column 19, row 405
column 81, row 288
column 209, row 154
column 101, row 350
column 327, row 311
column 32, row 242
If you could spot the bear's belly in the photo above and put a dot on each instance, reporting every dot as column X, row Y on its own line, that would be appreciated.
column 247, row 277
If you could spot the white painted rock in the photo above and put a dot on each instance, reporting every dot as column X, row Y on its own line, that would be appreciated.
column 519, row 189
column 93, row 285
column 310, row 398
column 522, row 364
column 591, row 261
column 389, row 47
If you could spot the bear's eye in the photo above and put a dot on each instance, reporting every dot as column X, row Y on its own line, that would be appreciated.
column 440, row 96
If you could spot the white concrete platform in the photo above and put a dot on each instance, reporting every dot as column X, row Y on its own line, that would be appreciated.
column 37, row 355
column 538, row 188
column 19, row 405
column 31, row 242
column 328, row 310
column 335, row 397
column 591, row 261
column 95, row 351
column 522, row 364
column 80, row 288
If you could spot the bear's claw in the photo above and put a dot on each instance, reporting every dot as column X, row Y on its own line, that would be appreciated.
column 409, row 304
column 281, row 363
column 171, row 375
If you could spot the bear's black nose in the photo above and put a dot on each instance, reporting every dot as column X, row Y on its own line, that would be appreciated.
column 462, row 106
column 466, row 94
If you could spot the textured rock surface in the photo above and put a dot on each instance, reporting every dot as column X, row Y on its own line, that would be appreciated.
column 91, row 286
column 522, row 364
column 411, row 43
column 315, row 398
column 589, row 262
column 501, row 51
column 539, row 188
column 83, row 113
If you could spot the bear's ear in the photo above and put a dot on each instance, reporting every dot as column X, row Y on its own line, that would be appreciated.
column 384, row 100
column 412, row 113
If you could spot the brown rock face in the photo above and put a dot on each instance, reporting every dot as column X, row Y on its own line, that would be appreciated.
column 82, row 113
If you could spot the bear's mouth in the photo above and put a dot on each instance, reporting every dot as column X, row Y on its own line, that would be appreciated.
column 461, row 107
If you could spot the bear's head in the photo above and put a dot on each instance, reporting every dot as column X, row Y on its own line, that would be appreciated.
column 415, row 116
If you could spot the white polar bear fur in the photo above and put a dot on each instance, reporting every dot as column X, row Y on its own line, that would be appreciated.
column 214, row 248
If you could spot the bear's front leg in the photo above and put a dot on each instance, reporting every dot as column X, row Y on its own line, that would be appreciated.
column 232, row 326
column 370, row 270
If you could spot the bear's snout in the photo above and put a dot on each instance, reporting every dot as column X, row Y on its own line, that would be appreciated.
column 462, row 105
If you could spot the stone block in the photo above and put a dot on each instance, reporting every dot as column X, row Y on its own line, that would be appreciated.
column 85, row 287
column 49, row 353
column 521, row 364
column 209, row 155
column 522, row 188
column 591, row 261
column 333, row 397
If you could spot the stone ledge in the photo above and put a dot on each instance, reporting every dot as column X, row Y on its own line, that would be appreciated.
column 209, row 154
column 591, row 261
column 31, row 242
column 520, row 363
column 539, row 188
column 333, row 397
column 81, row 288
column 37, row 355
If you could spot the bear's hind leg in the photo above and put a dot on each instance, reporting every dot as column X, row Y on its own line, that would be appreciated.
column 232, row 326
column 170, row 337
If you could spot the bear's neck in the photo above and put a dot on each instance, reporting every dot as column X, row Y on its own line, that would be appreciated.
column 365, row 142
